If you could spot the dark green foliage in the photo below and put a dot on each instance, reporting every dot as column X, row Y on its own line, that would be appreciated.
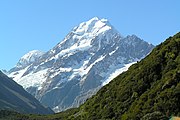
column 10, row 115
column 151, row 86
column 149, row 90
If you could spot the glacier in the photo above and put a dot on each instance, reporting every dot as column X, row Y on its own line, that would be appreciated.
column 89, row 57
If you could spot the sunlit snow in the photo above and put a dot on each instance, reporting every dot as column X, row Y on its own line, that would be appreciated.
column 117, row 72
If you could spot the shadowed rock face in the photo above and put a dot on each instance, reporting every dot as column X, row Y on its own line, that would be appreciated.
column 83, row 62
column 14, row 97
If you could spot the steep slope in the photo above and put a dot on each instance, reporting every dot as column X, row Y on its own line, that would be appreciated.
column 90, row 56
column 14, row 97
column 27, row 60
column 149, row 90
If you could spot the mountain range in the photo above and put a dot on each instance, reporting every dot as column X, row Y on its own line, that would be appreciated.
column 148, row 90
column 89, row 57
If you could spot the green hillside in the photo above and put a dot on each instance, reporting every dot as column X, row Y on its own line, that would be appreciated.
column 149, row 90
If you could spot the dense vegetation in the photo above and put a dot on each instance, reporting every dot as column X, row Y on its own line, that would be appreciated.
column 149, row 90
column 149, row 87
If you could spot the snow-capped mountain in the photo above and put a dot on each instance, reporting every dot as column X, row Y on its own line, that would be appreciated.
column 27, row 59
column 90, row 56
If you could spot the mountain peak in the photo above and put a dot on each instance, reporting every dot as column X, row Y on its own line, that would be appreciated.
column 91, row 34
column 29, row 58
column 90, row 56
column 30, row 53
column 94, row 26
column 94, row 19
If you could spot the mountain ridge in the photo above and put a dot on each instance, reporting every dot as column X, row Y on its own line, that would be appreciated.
column 75, row 69
column 148, row 90
column 14, row 97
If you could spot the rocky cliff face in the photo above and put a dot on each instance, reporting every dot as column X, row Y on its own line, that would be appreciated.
column 90, row 56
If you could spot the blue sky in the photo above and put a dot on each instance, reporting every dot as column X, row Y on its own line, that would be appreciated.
column 40, row 24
